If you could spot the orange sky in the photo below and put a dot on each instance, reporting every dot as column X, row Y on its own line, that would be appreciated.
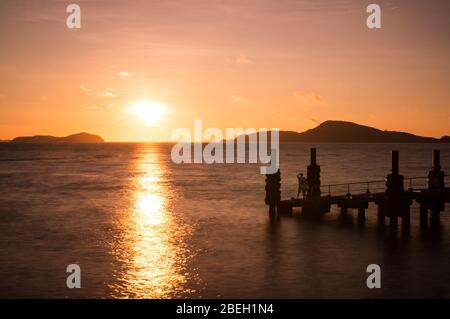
column 248, row 63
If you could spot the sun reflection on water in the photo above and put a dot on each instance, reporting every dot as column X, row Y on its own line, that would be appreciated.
column 153, row 245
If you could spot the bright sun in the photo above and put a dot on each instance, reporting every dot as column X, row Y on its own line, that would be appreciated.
column 149, row 112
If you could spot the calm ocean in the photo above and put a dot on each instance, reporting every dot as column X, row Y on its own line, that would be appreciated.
column 140, row 226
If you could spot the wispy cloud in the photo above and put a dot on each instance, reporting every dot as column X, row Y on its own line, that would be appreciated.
column 125, row 74
column 311, row 98
column 107, row 93
column 84, row 88
column 243, row 59
column 236, row 99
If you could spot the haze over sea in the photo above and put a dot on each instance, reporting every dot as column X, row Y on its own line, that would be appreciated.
column 141, row 226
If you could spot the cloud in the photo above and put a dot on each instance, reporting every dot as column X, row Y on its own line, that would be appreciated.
column 93, row 107
column 107, row 93
column 311, row 98
column 236, row 99
column 242, row 60
column 125, row 74
column 84, row 88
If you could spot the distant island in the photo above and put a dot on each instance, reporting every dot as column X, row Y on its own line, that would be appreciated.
column 348, row 132
column 75, row 138
column 326, row 132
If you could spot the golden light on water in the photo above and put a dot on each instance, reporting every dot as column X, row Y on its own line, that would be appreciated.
column 154, row 247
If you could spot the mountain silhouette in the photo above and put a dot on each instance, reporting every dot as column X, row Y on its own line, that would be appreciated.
column 348, row 132
column 75, row 138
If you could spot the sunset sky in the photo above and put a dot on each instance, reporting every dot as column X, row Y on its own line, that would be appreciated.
column 249, row 63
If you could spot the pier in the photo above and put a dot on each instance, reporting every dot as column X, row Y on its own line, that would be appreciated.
column 390, row 195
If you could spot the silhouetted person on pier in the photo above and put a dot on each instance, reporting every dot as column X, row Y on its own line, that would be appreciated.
column 302, row 185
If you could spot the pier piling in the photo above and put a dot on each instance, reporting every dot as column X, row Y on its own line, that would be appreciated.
column 380, row 213
column 313, row 176
column 273, row 193
column 397, row 201
column 361, row 216
column 436, row 185
column 423, row 214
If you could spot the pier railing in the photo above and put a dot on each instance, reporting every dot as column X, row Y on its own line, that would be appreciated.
column 353, row 188
column 372, row 186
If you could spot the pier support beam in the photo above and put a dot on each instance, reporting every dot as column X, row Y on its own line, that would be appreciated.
column 436, row 188
column 273, row 193
column 272, row 212
column 380, row 212
column 423, row 214
column 313, row 177
column 360, row 203
column 433, row 198
column 406, row 220
column 361, row 216
column 393, row 221
column 436, row 175
column 314, row 204
column 435, row 214
column 397, row 202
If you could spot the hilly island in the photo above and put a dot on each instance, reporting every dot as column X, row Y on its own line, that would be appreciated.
column 75, row 138
column 348, row 132
column 326, row 132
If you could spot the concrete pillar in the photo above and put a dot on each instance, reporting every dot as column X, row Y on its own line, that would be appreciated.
column 436, row 176
column 273, row 192
column 313, row 177
column 395, row 159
